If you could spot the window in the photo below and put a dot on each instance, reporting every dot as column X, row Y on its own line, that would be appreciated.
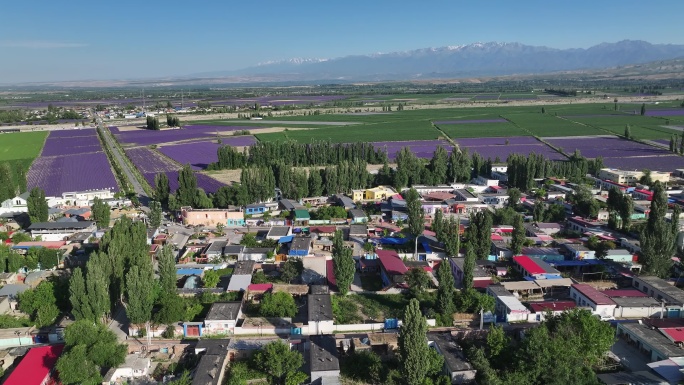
column 574, row 296
column 636, row 284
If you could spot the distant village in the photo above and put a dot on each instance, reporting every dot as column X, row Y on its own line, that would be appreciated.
column 267, row 272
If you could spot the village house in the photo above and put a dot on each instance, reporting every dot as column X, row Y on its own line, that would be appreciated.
column 37, row 366
column 534, row 268
column 508, row 307
column 212, row 217
column 586, row 295
column 540, row 309
column 213, row 359
column 222, row 317
column 134, row 367
column 16, row 205
column 277, row 232
column 481, row 278
column 242, row 276
column 324, row 362
column 456, row 367
column 59, row 231
column 320, row 320
column 663, row 291
column 392, row 268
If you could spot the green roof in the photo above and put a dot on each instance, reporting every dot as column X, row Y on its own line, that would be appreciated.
column 301, row 214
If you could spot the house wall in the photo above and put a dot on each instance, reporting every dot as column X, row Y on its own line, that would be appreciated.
column 653, row 354
column 463, row 376
column 315, row 376
column 637, row 312
column 582, row 300
column 321, row 327
column 213, row 218
column 644, row 287
column 219, row 326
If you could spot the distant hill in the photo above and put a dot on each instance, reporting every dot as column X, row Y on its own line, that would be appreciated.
column 472, row 60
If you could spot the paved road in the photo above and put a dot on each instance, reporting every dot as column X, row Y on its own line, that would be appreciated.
column 119, row 157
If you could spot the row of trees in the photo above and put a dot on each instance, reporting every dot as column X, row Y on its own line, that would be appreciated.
column 172, row 121
column 677, row 146
column 152, row 123
column 12, row 180
column 657, row 239
column 293, row 153
column 523, row 170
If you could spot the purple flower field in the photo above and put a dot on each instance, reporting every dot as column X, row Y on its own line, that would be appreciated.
column 149, row 161
column 58, row 174
column 75, row 133
column 279, row 100
column 421, row 148
column 208, row 184
column 497, row 147
column 220, row 128
column 149, row 137
column 673, row 112
column 667, row 163
column 197, row 154
column 470, row 121
column 607, row 147
column 55, row 146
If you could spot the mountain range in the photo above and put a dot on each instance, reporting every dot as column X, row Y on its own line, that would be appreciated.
column 472, row 60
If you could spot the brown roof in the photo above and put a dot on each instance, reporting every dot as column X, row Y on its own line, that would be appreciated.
column 292, row 289
column 438, row 196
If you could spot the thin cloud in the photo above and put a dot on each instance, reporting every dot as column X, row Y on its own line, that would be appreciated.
column 39, row 44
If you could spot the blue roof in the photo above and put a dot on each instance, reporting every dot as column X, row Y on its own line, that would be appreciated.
column 298, row 252
column 25, row 247
column 584, row 262
column 286, row 239
column 426, row 246
column 393, row 241
column 189, row 271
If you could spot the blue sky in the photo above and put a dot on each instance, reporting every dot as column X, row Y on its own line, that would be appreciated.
column 73, row 40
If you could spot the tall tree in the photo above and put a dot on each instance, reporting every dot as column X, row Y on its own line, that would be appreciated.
column 417, row 280
column 80, row 307
column 97, row 287
column 643, row 109
column 628, row 132
column 451, row 236
column 101, row 213
column 37, row 205
column 518, row 236
column 657, row 238
column 139, row 294
column 514, row 196
column 162, row 189
column 187, row 186
column 40, row 304
column 155, row 214
column 445, row 290
column 438, row 224
column 413, row 348
column 278, row 362
column 167, row 271
column 468, row 267
column 315, row 183
column 343, row 263
column 480, row 233
column 626, row 209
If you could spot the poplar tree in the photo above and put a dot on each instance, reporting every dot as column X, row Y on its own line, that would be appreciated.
column 657, row 238
column 78, row 297
column 438, row 225
column 155, row 214
column 468, row 267
column 343, row 264
column 139, row 294
column 315, row 182
column 416, row 214
column 187, row 186
column 97, row 288
column 518, row 236
column 625, row 210
column 445, row 290
column 101, row 213
column 162, row 189
column 413, row 347
column 37, row 205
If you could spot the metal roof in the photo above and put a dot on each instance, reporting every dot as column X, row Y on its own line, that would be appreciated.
column 323, row 354
column 320, row 307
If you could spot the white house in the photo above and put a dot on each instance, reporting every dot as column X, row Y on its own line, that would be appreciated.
column 15, row 205
column 320, row 314
column 134, row 366
column 59, row 231
column 587, row 295
column 222, row 317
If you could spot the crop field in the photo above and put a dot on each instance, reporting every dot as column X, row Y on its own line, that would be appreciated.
column 421, row 148
column 545, row 125
column 21, row 145
column 503, row 147
column 641, row 127
column 148, row 137
column 71, row 161
column 378, row 132
column 481, row 130
column 621, row 153
column 197, row 154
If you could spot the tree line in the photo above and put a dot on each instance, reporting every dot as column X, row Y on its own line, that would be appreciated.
column 523, row 170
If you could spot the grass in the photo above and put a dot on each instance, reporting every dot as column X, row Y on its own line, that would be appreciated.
column 21, row 145
column 482, row 130
column 641, row 127
column 539, row 124
column 375, row 132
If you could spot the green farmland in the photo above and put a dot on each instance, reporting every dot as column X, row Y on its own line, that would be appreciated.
column 641, row 127
column 482, row 130
column 22, row 145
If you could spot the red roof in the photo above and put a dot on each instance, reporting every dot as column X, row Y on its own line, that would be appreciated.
column 592, row 294
column 330, row 273
column 645, row 192
column 427, row 269
column 676, row 335
column 539, row 307
column 482, row 283
column 624, row 293
column 322, row 229
column 429, row 233
column 35, row 366
column 45, row 244
column 260, row 287
column 497, row 237
column 391, row 262
column 528, row 264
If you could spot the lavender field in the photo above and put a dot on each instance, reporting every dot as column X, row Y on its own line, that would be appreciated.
column 421, row 148
column 208, row 184
column 197, row 154
column 71, row 160
column 503, row 147
column 65, row 173
column 622, row 153
column 669, row 112
column 188, row 133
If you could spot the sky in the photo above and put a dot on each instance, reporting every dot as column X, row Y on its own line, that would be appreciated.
column 103, row 40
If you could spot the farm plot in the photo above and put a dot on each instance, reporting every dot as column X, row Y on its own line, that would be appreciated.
column 60, row 144
column 21, row 145
column 197, row 154
column 502, row 148
column 79, row 172
column 378, row 132
column 208, row 184
column 421, row 148
column 481, row 129
column 545, row 125
column 621, row 153
column 148, row 137
column 641, row 127
column 665, row 112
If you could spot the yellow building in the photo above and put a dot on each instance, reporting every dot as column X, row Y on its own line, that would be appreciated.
column 630, row 178
column 212, row 217
column 358, row 195
column 379, row 193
